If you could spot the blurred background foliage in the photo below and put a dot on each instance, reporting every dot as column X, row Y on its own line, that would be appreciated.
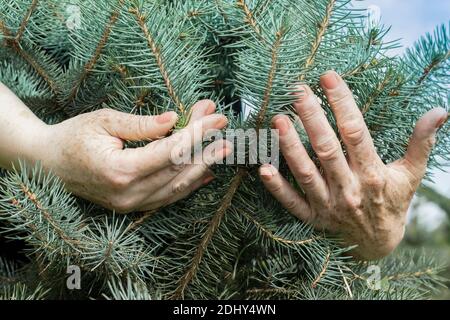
column 429, row 217
column 435, row 235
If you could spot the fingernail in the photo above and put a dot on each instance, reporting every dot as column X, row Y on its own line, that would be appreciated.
column 208, row 180
column 210, row 108
column 442, row 121
column 222, row 122
column 165, row 117
column 282, row 125
column 330, row 80
column 266, row 172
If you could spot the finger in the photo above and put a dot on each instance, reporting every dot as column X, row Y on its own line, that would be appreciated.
column 300, row 164
column 422, row 143
column 285, row 193
column 173, row 150
column 322, row 137
column 213, row 153
column 350, row 120
column 201, row 109
column 195, row 186
column 153, row 182
column 137, row 128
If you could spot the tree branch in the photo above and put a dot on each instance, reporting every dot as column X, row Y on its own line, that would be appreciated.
column 273, row 68
column 429, row 69
column 250, row 19
column 47, row 216
column 25, row 20
column 323, row 26
column 88, row 67
column 13, row 43
column 213, row 226
column 322, row 272
column 275, row 238
column 159, row 59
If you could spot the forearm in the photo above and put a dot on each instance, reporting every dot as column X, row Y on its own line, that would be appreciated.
column 22, row 134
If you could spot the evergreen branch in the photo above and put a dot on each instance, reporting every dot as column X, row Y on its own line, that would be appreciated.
column 56, row 13
column 25, row 20
column 36, row 66
column 250, row 19
column 159, row 59
column 138, row 222
column 433, row 65
column 376, row 93
column 20, row 291
column 6, row 32
column 89, row 66
column 274, row 237
column 213, row 226
column 259, row 291
column 418, row 274
column 323, row 26
column 47, row 216
column 401, row 276
column 14, row 44
column 322, row 272
column 35, row 230
column 273, row 68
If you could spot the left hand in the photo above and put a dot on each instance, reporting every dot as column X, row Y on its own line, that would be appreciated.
column 358, row 196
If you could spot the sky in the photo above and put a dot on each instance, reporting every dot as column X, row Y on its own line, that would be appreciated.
column 409, row 20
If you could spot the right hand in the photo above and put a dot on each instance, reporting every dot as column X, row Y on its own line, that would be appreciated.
column 87, row 153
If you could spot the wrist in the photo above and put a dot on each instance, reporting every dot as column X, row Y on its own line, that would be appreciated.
column 35, row 146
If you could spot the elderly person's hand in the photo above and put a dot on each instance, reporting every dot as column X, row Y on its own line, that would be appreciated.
column 358, row 196
column 87, row 152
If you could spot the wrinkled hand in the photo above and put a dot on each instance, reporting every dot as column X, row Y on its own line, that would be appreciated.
column 358, row 196
column 87, row 153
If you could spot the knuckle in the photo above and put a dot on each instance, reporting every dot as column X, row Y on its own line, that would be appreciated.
column 204, row 166
column 122, row 204
column 291, row 146
column 180, row 187
column 120, row 181
column 141, row 127
column 276, row 188
column 103, row 113
column 429, row 143
column 375, row 180
column 352, row 202
column 328, row 150
column 178, row 154
column 340, row 98
column 176, row 168
column 353, row 132
column 291, row 204
column 307, row 176
column 309, row 114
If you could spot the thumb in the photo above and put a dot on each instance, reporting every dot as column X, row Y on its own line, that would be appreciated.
column 423, row 140
column 139, row 128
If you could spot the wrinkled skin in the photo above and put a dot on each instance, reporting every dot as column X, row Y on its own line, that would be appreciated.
column 357, row 197
column 87, row 152
column 95, row 166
